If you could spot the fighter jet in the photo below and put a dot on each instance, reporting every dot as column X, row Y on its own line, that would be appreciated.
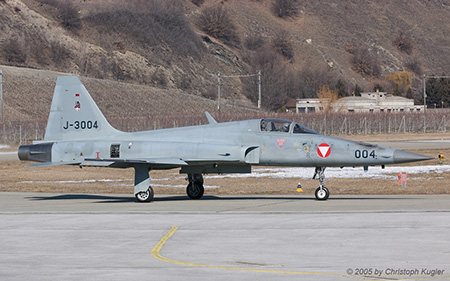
column 77, row 133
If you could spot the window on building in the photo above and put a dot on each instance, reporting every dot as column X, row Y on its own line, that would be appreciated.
column 311, row 109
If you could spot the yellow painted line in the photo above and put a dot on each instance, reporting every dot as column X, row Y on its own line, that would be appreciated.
column 156, row 253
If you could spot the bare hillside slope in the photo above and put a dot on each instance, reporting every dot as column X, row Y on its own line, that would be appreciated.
column 159, row 56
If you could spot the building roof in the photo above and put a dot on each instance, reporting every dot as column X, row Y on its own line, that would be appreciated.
column 292, row 103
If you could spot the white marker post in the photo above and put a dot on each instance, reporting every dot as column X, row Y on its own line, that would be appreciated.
column 402, row 178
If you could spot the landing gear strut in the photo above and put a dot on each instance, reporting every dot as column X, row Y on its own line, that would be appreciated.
column 322, row 193
column 195, row 187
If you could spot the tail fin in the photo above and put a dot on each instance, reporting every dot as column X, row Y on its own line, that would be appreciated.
column 74, row 114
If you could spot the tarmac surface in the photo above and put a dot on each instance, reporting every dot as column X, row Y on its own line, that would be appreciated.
column 110, row 237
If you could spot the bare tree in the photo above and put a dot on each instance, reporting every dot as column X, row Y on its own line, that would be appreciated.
column 216, row 22
column 285, row 8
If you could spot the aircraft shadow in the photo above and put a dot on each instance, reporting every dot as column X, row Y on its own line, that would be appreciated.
column 130, row 199
column 100, row 198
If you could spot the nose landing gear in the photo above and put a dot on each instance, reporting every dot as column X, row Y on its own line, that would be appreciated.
column 322, row 193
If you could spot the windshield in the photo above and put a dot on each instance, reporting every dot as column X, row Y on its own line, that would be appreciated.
column 300, row 129
column 275, row 125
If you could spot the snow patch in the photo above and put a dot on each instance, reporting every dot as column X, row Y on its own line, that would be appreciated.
column 338, row 173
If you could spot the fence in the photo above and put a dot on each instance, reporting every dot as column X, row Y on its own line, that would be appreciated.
column 431, row 121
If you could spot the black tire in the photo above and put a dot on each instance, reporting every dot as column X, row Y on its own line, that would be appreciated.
column 145, row 196
column 322, row 194
column 195, row 191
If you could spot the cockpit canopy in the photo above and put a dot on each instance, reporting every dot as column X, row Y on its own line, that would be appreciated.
column 283, row 126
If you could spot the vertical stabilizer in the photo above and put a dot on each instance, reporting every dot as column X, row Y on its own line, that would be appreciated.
column 74, row 114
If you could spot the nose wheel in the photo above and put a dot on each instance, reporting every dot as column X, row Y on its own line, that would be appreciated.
column 322, row 193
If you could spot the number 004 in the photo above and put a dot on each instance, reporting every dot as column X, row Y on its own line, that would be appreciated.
column 364, row 154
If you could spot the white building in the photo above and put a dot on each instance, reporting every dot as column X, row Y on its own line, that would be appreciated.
column 367, row 102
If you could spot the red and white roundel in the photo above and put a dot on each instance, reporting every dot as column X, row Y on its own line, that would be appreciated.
column 323, row 150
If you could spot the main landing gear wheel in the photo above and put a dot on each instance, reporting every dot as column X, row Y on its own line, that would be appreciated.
column 145, row 196
column 195, row 187
column 195, row 191
column 322, row 193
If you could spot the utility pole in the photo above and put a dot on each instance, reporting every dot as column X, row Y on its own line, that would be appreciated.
column 424, row 93
column 218, row 91
column 1, row 94
column 259, row 89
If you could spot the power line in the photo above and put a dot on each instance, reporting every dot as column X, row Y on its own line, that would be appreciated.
column 219, row 75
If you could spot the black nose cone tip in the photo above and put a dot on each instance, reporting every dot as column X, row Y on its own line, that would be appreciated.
column 401, row 156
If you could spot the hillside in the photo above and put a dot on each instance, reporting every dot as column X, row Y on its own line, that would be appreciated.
column 162, row 57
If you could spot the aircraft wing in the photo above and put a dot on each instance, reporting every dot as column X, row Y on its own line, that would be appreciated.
column 124, row 163
column 46, row 164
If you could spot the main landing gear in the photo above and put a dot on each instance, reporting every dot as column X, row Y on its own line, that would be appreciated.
column 322, row 193
column 195, row 187
column 144, row 192
column 142, row 189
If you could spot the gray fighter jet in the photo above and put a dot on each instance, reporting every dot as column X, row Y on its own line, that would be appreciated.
column 78, row 134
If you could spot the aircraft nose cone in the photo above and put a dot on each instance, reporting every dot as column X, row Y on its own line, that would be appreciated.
column 401, row 156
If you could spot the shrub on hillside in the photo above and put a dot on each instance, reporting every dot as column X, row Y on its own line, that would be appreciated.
column 198, row 2
column 14, row 52
column 216, row 22
column 285, row 8
column 283, row 46
column 365, row 63
column 59, row 54
column 414, row 65
column 159, row 78
column 312, row 77
column 254, row 42
column 69, row 16
column 278, row 80
column 350, row 48
column 144, row 25
column 403, row 42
